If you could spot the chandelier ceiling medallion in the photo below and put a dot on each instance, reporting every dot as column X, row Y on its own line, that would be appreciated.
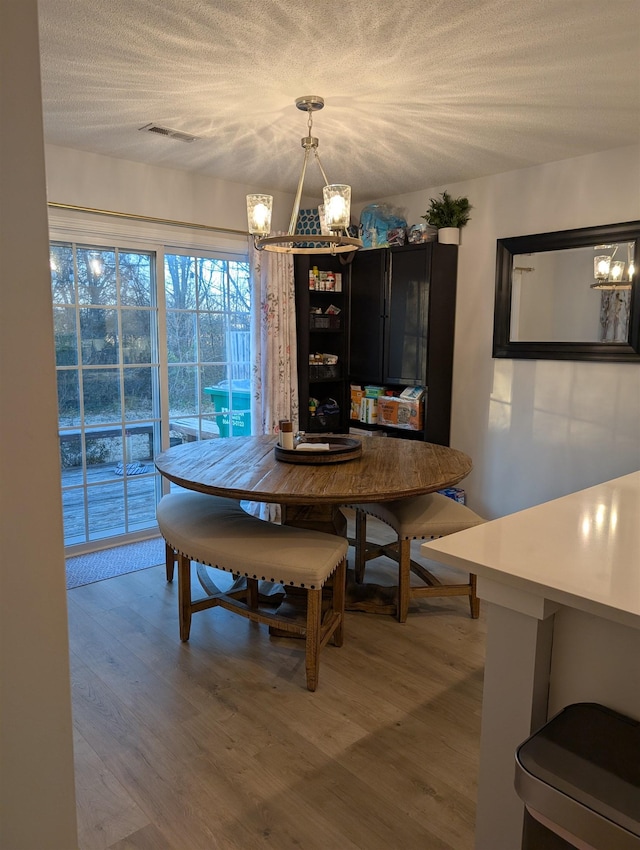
column 335, row 214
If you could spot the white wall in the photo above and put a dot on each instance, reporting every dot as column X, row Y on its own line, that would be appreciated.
column 118, row 185
column 537, row 429
column 37, row 800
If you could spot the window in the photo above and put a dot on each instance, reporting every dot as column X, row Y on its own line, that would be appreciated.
column 113, row 369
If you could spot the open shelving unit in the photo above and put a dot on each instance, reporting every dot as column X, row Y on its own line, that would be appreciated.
column 319, row 332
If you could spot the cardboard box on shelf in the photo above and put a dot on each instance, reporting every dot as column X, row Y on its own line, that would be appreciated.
column 401, row 413
column 415, row 393
column 357, row 394
column 372, row 391
column 369, row 410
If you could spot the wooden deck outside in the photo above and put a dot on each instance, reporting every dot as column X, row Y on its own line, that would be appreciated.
column 110, row 513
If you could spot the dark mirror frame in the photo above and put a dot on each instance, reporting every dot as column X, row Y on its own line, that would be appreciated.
column 586, row 236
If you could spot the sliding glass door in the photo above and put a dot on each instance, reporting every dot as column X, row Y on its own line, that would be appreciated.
column 147, row 344
column 106, row 335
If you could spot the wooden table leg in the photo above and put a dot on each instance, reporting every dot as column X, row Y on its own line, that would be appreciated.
column 369, row 597
column 372, row 598
column 327, row 518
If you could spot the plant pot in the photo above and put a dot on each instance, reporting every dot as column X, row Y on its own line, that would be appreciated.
column 449, row 235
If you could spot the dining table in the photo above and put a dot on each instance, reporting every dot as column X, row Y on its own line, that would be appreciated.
column 311, row 491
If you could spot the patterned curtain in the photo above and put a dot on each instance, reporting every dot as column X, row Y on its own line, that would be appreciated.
column 614, row 316
column 274, row 376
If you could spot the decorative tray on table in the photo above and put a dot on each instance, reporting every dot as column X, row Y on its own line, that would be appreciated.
column 329, row 449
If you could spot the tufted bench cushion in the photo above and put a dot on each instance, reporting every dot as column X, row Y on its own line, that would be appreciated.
column 219, row 533
column 426, row 516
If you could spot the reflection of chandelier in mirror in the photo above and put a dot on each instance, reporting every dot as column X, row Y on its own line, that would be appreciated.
column 609, row 273
column 334, row 238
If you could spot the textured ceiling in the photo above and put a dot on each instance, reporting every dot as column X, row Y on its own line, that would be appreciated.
column 418, row 93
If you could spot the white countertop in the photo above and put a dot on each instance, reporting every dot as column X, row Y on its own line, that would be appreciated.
column 582, row 550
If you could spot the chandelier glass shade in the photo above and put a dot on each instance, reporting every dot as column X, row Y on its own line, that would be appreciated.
column 612, row 274
column 337, row 206
column 334, row 238
column 259, row 208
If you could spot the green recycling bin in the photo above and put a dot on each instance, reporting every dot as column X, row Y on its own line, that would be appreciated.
column 240, row 417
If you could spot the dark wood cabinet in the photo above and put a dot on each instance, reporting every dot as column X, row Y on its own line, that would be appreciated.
column 322, row 333
column 402, row 309
column 367, row 307
column 395, row 329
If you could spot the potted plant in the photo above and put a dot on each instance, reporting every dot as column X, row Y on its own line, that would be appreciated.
column 448, row 215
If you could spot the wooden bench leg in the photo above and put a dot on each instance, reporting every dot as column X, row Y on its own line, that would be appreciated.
column 170, row 561
column 339, row 595
column 474, row 602
column 312, row 641
column 404, row 579
column 252, row 593
column 184, row 596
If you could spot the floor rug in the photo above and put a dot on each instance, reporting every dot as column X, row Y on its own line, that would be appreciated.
column 108, row 563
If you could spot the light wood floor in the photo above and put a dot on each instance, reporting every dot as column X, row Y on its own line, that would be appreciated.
column 217, row 744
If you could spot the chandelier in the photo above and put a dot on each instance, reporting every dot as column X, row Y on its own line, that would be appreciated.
column 335, row 214
column 612, row 274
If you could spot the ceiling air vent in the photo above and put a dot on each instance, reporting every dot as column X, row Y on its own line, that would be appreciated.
column 171, row 134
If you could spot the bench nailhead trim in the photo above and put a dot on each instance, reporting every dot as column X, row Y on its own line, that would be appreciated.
column 426, row 537
column 247, row 575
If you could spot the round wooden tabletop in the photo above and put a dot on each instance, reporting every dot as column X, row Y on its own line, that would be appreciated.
column 246, row 468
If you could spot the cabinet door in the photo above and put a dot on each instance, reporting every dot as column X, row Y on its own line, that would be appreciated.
column 366, row 350
column 407, row 316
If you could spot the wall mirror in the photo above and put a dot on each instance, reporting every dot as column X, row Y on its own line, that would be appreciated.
column 570, row 295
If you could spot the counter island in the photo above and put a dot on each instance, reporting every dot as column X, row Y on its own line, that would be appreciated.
column 560, row 584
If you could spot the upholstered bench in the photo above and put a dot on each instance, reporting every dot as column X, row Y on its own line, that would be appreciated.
column 216, row 532
column 415, row 518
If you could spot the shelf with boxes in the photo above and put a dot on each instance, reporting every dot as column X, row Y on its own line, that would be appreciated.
column 389, row 409
column 324, row 281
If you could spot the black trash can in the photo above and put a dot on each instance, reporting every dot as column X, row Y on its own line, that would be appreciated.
column 579, row 776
